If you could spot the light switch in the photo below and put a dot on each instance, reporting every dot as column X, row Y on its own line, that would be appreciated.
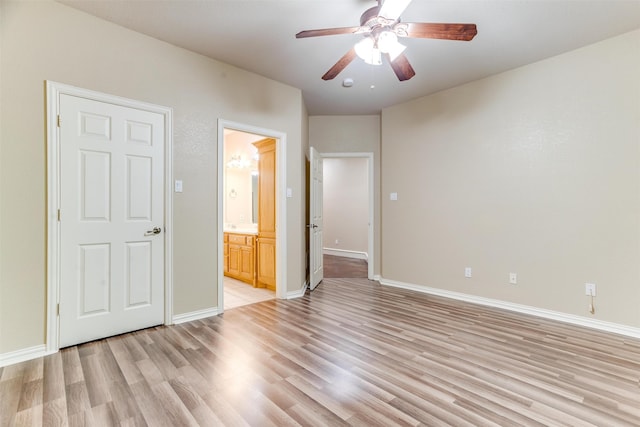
column 178, row 186
column 289, row 193
column 393, row 196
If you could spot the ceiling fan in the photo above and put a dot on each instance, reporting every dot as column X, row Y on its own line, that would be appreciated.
column 381, row 27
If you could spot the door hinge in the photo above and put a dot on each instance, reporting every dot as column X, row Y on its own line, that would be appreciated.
column 58, row 310
column 59, row 120
column 58, row 215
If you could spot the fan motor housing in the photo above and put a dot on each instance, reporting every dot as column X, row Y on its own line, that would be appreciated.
column 369, row 16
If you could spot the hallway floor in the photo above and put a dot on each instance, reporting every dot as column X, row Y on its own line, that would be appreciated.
column 343, row 267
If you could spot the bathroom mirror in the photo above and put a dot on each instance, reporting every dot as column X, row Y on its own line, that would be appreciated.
column 254, row 198
column 240, row 180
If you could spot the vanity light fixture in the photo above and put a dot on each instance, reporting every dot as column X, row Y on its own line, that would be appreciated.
column 236, row 162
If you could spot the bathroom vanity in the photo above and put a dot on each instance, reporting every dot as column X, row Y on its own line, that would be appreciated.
column 240, row 256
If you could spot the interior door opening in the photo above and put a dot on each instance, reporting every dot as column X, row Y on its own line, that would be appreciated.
column 348, row 210
column 248, row 195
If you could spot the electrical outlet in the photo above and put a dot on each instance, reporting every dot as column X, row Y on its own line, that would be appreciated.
column 590, row 289
column 513, row 278
column 467, row 272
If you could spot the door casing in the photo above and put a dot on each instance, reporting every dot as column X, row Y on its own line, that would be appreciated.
column 54, row 90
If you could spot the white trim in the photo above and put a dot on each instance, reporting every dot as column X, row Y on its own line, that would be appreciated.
column 54, row 90
column 168, row 217
column 281, row 204
column 345, row 253
column 195, row 315
column 519, row 308
column 371, row 228
column 299, row 293
column 23, row 355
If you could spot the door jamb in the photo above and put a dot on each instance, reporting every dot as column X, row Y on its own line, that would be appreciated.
column 370, row 228
column 281, row 204
column 53, row 92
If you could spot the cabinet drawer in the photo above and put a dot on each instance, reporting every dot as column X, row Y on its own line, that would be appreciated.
column 236, row 239
column 249, row 240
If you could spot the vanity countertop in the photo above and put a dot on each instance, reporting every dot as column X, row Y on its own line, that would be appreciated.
column 241, row 231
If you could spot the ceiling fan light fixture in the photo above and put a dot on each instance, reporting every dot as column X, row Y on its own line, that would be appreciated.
column 386, row 40
column 388, row 43
column 367, row 51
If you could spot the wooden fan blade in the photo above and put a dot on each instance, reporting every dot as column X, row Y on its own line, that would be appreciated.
column 340, row 65
column 328, row 32
column 464, row 32
column 401, row 67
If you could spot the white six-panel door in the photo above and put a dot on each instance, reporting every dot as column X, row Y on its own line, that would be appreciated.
column 111, row 200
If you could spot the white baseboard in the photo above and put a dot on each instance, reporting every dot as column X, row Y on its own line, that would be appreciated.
column 23, row 355
column 519, row 308
column 299, row 293
column 345, row 253
column 195, row 315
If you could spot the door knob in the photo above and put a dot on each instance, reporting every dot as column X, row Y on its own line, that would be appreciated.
column 312, row 226
column 156, row 230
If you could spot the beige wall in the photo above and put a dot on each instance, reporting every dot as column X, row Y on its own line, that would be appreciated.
column 48, row 41
column 352, row 134
column 533, row 171
column 346, row 204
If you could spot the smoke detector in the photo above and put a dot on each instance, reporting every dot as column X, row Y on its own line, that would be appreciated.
column 348, row 82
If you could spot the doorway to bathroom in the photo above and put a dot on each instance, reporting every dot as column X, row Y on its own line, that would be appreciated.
column 249, row 174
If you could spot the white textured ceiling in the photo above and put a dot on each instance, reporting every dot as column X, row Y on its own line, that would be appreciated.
column 259, row 36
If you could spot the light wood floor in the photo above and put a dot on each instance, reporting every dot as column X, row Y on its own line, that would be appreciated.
column 350, row 353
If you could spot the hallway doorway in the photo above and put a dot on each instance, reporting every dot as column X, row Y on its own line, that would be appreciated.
column 348, row 210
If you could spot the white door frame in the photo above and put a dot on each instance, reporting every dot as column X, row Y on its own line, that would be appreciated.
column 54, row 90
column 370, row 228
column 281, row 204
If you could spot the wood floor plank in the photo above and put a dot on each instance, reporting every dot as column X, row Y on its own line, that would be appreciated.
column 150, row 407
column 55, row 412
column 352, row 352
column 10, row 392
column 77, row 398
column 54, row 387
column 71, row 366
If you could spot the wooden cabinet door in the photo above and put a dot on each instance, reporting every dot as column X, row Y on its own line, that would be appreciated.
column 226, row 253
column 267, row 263
column 266, row 252
column 234, row 260
column 246, row 272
